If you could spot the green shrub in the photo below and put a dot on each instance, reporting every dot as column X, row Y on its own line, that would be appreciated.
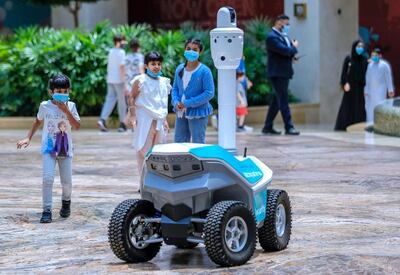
column 32, row 55
column 255, row 54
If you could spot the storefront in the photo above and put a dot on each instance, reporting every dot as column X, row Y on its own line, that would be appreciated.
column 18, row 13
column 171, row 13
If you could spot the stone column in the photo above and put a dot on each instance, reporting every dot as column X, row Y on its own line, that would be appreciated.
column 325, row 37
column 91, row 13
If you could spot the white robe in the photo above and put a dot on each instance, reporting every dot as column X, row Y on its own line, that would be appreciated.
column 151, row 104
column 378, row 83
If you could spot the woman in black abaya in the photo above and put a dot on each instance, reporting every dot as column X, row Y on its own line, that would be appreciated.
column 352, row 109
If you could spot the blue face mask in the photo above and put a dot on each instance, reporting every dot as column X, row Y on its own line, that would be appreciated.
column 61, row 97
column 191, row 55
column 375, row 58
column 150, row 73
column 359, row 50
column 286, row 29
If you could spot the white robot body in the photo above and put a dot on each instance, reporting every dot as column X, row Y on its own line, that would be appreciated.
column 226, row 51
column 226, row 47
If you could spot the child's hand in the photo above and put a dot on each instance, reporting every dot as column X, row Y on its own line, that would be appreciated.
column 23, row 143
column 131, row 120
column 249, row 84
column 166, row 126
column 63, row 107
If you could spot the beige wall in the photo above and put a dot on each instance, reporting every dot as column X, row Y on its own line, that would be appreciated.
column 305, row 82
column 336, row 35
column 91, row 13
column 325, row 37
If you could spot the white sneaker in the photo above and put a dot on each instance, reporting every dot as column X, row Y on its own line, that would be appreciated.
column 248, row 129
column 102, row 125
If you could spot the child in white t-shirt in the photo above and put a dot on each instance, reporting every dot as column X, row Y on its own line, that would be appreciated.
column 134, row 63
column 59, row 116
column 148, row 107
column 116, row 89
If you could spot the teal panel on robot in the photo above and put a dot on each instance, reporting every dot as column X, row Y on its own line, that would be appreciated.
column 260, row 205
column 247, row 168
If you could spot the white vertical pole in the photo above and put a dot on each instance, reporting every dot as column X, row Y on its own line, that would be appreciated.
column 227, row 109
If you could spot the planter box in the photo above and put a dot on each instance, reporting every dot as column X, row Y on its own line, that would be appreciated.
column 301, row 114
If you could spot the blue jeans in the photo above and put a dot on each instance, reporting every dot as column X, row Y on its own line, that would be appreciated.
column 190, row 129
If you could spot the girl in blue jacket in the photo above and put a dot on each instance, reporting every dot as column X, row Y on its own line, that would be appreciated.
column 191, row 94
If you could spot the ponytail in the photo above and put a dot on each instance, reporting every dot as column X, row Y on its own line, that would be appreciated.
column 180, row 74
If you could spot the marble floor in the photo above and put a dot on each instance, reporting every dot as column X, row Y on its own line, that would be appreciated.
column 344, row 189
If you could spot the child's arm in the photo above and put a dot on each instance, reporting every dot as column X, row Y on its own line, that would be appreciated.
column 131, row 103
column 133, row 94
column 122, row 73
column 76, row 124
column 122, row 70
column 389, row 80
column 175, row 99
column 26, row 141
column 240, row 98
column 249, row 83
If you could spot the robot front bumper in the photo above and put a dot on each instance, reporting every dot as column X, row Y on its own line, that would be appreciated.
column 189, row 182
column 176, row 184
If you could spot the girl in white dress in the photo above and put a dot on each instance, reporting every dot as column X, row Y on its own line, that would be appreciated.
column 148, row 107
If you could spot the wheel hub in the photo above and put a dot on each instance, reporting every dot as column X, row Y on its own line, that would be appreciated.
column 280, row 220
column 139, row 231
column 236, row 234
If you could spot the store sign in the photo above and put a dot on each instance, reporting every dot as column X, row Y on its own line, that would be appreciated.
column 182, row 10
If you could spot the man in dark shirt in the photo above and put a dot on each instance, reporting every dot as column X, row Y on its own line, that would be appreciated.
column 281, row 52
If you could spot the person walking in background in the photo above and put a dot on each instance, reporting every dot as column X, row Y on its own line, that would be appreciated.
column 134, row 63
column 191, row 94
column 59, row 116
column 148, row 107
column 243, row 84
column 378, row 84
column 115, row 85
column 241, row 101
column 281, row 53
column 352, row 108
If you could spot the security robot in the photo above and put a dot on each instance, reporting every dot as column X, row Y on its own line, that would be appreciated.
column 226, row 43
column 203, row 194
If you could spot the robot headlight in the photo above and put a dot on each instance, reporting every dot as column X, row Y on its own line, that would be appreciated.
column 173, row 165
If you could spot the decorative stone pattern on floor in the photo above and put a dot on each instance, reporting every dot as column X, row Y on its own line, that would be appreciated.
column 345, row 200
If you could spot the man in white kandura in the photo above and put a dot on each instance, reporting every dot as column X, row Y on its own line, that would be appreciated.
column 378, row 84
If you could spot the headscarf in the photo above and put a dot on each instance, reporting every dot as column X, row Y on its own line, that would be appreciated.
column 358, row 63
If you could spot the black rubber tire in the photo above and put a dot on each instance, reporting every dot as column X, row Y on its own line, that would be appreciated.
column 268, row 238
column 214, row 229
column 118, row 230
column 187, row 246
